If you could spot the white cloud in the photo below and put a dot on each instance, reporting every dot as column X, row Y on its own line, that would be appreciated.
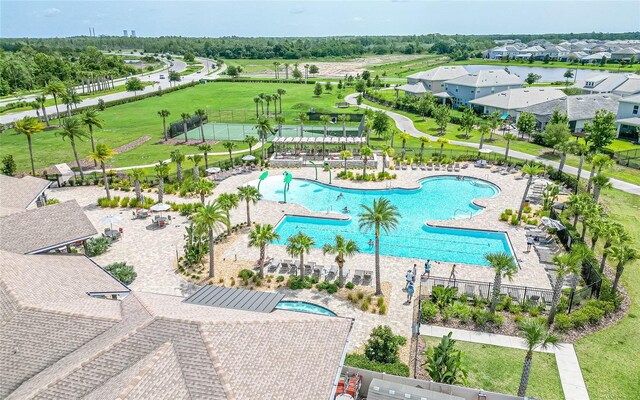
column 50, row 12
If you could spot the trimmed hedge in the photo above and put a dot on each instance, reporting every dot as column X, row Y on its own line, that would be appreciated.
column 361, row 361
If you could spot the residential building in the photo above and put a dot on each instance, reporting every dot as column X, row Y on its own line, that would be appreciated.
column 501, row 52
column 618, row 84
column 510, row 101
column 19, row 194
column 625, row 54
column 555, row 52
column 579, row 109
column 431, row 80
column 628, row 118
column 596, row 58
column 69, row 330
column 483, row 83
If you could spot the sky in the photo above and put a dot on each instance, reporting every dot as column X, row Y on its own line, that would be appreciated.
column 213, row 18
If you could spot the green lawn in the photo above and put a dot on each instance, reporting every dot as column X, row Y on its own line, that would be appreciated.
column 402, row 69
column 609, row 358
column 551, row 64
column 498, row 369
column 127, row 122
column 192, row 68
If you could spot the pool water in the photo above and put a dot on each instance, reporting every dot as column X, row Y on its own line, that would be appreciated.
column 438, row 198
column 303, row 306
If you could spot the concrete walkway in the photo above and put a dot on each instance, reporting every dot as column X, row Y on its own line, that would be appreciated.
column 406, row 124
column 571, row 379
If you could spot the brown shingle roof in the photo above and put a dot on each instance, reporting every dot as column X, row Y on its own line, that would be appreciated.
column 45, row 228
column 19, row 193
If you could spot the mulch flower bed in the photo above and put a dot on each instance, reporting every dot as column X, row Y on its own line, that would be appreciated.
column 180, row 141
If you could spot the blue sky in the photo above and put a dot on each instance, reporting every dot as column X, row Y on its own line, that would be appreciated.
column 49, row 18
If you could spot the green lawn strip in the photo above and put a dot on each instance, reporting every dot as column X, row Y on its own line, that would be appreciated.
column 191, row 69
column 498, row 369
column 128, row 122
column 609, row 358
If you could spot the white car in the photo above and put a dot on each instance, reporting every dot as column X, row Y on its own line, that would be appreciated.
column 161, row 76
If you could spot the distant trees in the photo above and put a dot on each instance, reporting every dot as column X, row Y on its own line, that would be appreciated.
column 532, row 78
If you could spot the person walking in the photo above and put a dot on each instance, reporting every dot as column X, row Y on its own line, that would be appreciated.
column 452, row 276
column 409, row 292
column 408, row 278
column 414, row 272
column 529, row 243
column 427, row 267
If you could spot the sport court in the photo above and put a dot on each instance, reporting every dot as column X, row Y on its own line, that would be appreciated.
column 238, row 132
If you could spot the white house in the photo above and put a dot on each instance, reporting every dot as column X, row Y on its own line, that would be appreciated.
column 625, row 54
column 510, row 101
column 431, row 80
column 618, row 84
column 481, row 84
column 628, row 117
column 500, row 52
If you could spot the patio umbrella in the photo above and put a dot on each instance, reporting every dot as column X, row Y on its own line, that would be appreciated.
column 213, row 170
column 110, row 219
column 248, row 157
column 552, row 223
column 160, row 207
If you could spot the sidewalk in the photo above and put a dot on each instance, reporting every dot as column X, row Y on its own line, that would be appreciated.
column 571, row 379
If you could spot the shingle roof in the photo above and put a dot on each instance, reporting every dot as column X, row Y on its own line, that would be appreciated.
column 631, row 99
column 44, row 228
column 160, row 346
column 580, row 107
column 19, row 193
column 518, row 98
column 415, row 88
column 488, row 77
column 440, row 73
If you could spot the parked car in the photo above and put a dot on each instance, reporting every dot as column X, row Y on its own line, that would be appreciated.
column 161, row 76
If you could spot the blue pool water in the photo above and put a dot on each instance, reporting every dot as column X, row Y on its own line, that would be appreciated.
column 438, row 198
column 303, row 306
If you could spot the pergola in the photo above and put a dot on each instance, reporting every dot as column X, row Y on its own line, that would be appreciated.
column 282, row 143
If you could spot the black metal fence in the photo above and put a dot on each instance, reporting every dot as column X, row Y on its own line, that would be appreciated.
column 177, row 128
column 628, row 158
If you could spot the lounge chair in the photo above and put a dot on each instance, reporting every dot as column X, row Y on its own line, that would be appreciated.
column 465, row 165
column 423, row 167
column 478, row 163
column 367, row 277
column 403, row 166
column 318, row 270
column 414, row 167
column 456, row 167
column 430, row 166
column 450, row 167
column 358, row 274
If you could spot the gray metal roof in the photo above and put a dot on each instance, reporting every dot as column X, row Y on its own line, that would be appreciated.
column 387, row 390
column 237, row 299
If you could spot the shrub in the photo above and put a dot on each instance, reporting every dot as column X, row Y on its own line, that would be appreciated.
column 594, row 314
column 124, row 203
column 332, row 288
column 481, row 317
column 447, row 314
column 462, row 311
column 97, row 246
column 579, row 318
column 514, row 220
column 526, row 209
column 245, row 275
column 361, row 361
column 508, row 211
column 51, row 202
column 504, row 217
column 349, row 285
column 123, row 272
column 497, row 320
column 383, row 309
column 380, row 301
column 443, row 296
column 607, row 306
column 296, row 283
column 8, row 165
column 563, row 323
column 365, row 306
column 428, row 311
column 279, row 278
column 383, row 345
column 360, row 295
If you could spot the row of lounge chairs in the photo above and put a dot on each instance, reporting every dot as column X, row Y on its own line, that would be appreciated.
column 220, row 176
column 517, row 294
column 292, row 267
column 430, row 166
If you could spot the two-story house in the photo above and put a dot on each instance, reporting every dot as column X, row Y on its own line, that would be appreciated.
column 483, row 83
column 432, row 80
column 628, row 118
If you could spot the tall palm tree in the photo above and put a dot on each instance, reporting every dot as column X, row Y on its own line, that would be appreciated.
column 282, row 92
column 381, row 216
column 72, row 129
column 494, row 123
column 600, row 182
column 365, row 153
column 504, row 266
column 404, row 136
column 162, row 171
column 423, row 140
column 387, row 151
column 227, row 202
column 442, row 141
column 257, row 100
column 55, row 88
column 164, row 114
column 280, row 121
column 563, row 148
column 251, row 141
column 275, row 98
column 102, row 155
column 286, row 70
column 598, row 162
column 532, row 170
column 261, row 236
column 178, row 158
column 508, row 137
column 29, row 126
column 343, row 118
column 70, row 98
column 197, row 159
column 565, row 264
column 621, row 254
column 344, row 155
column 268, row 99
column 302, row 117
column 341, row 248
column 298, row 245
column 229, row 146
column 535, row 335
column 41, row 99
column 275, row 68
column 136, row 175
column 249, row 194
column 598, row 228
column 484, row 129
column 575, row 205
column 90, row 118
column 210, row 218
column 201, row 116
column 580, row 149
column 262, row 98
column 36, row 106
column 306, row 72
column 185, row 117
column 614, row 234
column 205, row 148
column 203, row 187
column 264, row 128
column 326, row 119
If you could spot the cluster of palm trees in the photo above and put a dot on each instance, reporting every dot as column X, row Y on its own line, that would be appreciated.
column 185, row 117
column 263, row 98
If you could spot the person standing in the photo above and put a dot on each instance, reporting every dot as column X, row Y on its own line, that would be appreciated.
column 408, row 279
column 452, row 276
column 409, row 293
column 427, row 267
column 414, row 272
column 529, row 243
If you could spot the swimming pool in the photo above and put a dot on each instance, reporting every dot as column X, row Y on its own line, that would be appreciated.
column 438, row 198
column 303, row 306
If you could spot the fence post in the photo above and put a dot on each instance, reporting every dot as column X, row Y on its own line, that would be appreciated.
column 573, row 292
column 525, row 294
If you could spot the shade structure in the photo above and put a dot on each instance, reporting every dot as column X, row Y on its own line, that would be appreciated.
column 288, row 140
column 485, row 151
column 110, row 219
column 160, row 207
column 212, row 170
column 552, row 223
column 296, row 139
column 248, row 157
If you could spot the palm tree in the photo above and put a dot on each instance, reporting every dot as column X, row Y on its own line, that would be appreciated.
column 302, row 117
column 365, row 153
column 164, row 114
column 442, row 141
column 484, row 129
column 580, row 149
column 614, row 234
column 326, row 119
column 251, row 141
column 29, row 126
column 209, row 218
column 306, row 72
column 249, row 194
column 162, row 171
column 494, row 123
column 261, row 236
column 102, row 155
column 203, row 187
column 185, row 117
column 504, row 266
column 72, row 129
column 344, row 155
column 298, row 245
column 229, row 146
column 257, row 100
column 341, row 248
column 264, row 128
column 280, row 121
column 598, row 228
column 227, row 202
column 36, row 106
column 197, row 159
column 55, row 88
column 577, row 204
column 275, row 98
column 70, row 98
column 404, row 136
column 286, row 70
column 205, row 148
column 600, row 182
column 599, row 162
column 563, row 148
column 535, row 335
column 532, row 170
column 508, row 137
column 343, row 118
column 621, row 254
column 275, row 68
column 268, row 99
column 423, row 140
column 178, row 158
column 387, row 151
column 136, row 175
column 90, row 118
column 40, row 100
column 261, row 96
column 565, row 264
column 382, row 216
column 201, row 116
column 282, row 92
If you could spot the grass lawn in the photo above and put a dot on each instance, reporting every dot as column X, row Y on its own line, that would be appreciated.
column 402, row 69
column 498, row 369
column 128, row 122
column 191, row 69
column 609, row 358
